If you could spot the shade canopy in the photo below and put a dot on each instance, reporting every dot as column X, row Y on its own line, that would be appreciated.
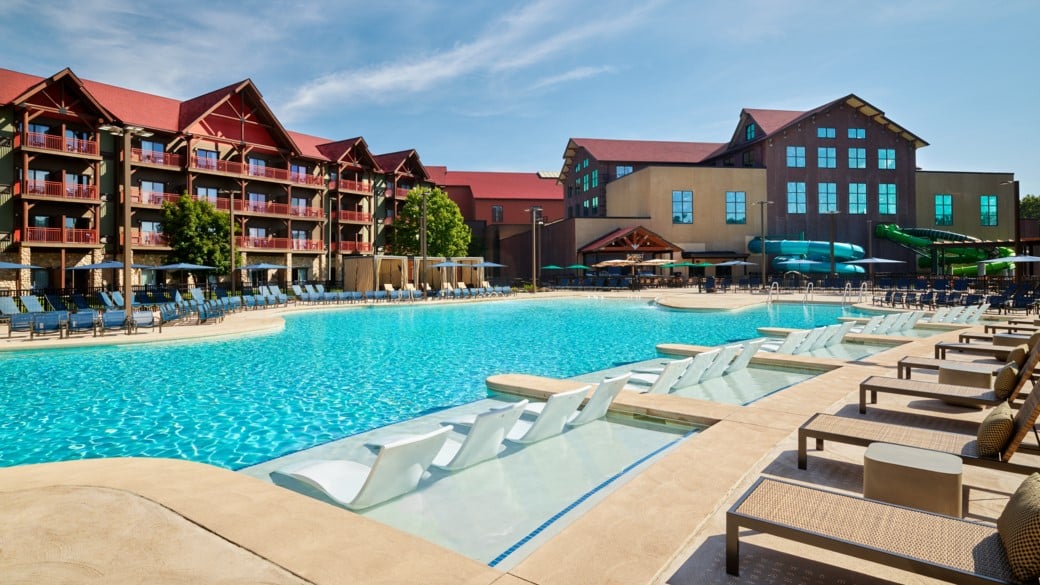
column 183, row 266
column 486, row 264
column 111, row 264
column 262, row 266
column 14, row 266
column 798, row 262
column 873, row 260
column 578, row 267
column 736, row 263
column 448, row 264
column 552, row 267
column 1021, row 258
column 617, row 262
column 698, row 265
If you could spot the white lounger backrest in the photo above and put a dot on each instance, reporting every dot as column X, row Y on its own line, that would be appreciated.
column 598, row 405
column 792, row 341
column 871, row 325
column 722, row 362
column 695, row 371
column 810, row 339
column 557, row 411
column 747, row 351
column 839, row 334
column 484, row 439
column 822, row 339
column 669, row 375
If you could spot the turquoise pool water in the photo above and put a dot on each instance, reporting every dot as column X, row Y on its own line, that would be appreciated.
column 328, row 375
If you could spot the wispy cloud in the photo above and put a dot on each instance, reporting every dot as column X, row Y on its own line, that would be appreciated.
column 515, row 41
column 572, row 75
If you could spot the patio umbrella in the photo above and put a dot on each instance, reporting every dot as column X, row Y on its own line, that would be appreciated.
column 1021, row 258
column 447, row 264
column 111, row 264
column 702, row 265
column 262, row 266
column 736, row 263
column 486, row 264
column 13, row 266
column 552, row 267
column 183, row 266
column 873, row 260
column 578, row 267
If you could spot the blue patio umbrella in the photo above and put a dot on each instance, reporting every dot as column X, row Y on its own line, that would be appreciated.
column 262, row 266
column 111, row 264
column 486, row 264
column 448, row 264
column 14, row 266
column 183, row 266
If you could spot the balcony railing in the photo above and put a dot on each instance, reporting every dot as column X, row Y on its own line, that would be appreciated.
column 305, row 179
column 152, row 197
column 60, row 235
column 267, row 207
column 270, row 243
column 360, row 216
column 57, row 143
column 356, row 186
column 156, row 158
column 254, row 170
column 351, row 247
column 60, row 190
column 149, row 239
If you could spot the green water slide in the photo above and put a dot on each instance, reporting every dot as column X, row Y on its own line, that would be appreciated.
column 962, row 261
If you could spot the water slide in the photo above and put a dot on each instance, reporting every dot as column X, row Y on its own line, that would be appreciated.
column 963, row 261
column 810, row 256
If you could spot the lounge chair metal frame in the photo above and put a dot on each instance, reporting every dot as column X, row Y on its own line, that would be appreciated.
column 781, row 508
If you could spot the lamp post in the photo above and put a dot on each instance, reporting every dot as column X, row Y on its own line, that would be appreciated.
column 127, row 132
column 762, row 240
column 832, row 213
column 422, row 244
column 231, row 224
column 870, row 249
column 535, row 211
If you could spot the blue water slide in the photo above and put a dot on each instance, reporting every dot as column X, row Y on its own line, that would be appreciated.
column 817, row 255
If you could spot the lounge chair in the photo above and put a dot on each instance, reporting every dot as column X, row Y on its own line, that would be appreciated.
column 483, row 441
column 31, row 304
column 145, row 319
column 911, row 362
column 106, row 301
column 396, row 471
column 596, row 407
column 987, row 349
column 8, row 308
column 862, row 432
column 693, row 374
column 722, row 362
column 789, row 344
column 56, row 302
column 20, row 322
column 80, row 302
column 748, row 349
column 49, row 323
column 302, row 296
column 111, row 320
column 551, row 420
column 669, row 375
column 891, row 535
column 80, row 321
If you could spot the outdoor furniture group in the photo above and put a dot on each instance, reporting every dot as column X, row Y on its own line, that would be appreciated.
column 910, row 515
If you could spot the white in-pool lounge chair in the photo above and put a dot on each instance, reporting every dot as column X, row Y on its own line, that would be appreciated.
column 747, row 351
column 789, row 344
column 693, row 374
column 869, row 327
column 664, row 382
column 596, row 407
column 549, row 423
column 722, row 362
column 483, row 441
column 397, row 470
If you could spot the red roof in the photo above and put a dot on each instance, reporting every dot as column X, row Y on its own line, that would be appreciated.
column 648, row 151
column 502, row 185
column 772, row 120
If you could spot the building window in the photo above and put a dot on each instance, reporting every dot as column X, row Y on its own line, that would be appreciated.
column 585, row 183
column 37, row 135
column 943, row 209
column 795, row 197
column 300, row 235
column 496, row 214
column 257, row 232
column 206, row 194
column 682, row 206
column 988, row 210
column 151, row 227
column 152, row 151
column 828, row 197
column 206, row 159
column 585, row 164
column 748, row 158
column 152, row 192
column 827, row 157
column 298, row 172
column 595, row 179
column 825, row 132
column 857, row 198
column 622, row 170
column 795, row 156
column 595, row 206
column 887, row 198
column 736, row 207
column 886, row 158
column 257, row 202
column 858, row 133
column 585, row 208
column 857, row 158
column 749, row 131
column 257, row 167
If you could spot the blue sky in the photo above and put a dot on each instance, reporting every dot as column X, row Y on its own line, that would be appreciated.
column 503, row 85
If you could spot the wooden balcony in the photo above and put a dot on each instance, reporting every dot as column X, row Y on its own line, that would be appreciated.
column 57, row 190
column 41, row 235
column 163, row 159
column 257, row 171
column 56, row 144
column 355, row 216
column 344, row 247
column 149, row 239
column 269, row 208
column 137, row 197
column 281, row 244
column 355, row 186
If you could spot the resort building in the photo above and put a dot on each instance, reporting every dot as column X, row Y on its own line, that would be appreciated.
column 835, row 172
column 85, row 168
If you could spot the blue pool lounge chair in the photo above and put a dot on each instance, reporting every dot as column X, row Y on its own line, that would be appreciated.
column 144, row 319
column 8, row 308
column 49, row 323
column 483, row 441
column 31, row 304
column 80, row 321
column 56, row 302
column 397, row 470
column 20, row 322
column 112, row 320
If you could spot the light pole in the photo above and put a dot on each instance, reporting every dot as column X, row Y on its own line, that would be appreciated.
column 535, row 211
column 762, row 240
column 127, row 132
column 870, row 250
column 832, row 213
column 422, row 244
column 231, row 223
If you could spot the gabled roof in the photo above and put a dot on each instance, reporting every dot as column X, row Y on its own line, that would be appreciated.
column 770, row 121
column 502, row 185
column 24, row 87
column 403, row 162
column 639, row 151
column 194, row 110
column 352, row 150
column 137, row 108
column 631, row 240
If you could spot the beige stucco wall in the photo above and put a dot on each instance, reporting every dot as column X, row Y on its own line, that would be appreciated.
column 645, row 198
column 965, row 189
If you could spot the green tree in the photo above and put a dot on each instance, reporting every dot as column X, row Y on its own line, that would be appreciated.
column 1029, row 207
column 197, row 233
column 446, row 232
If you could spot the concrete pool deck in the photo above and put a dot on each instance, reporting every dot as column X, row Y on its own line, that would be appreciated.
column 149, row 520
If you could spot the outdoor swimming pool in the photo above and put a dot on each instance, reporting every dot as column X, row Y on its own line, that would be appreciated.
column 328, row 375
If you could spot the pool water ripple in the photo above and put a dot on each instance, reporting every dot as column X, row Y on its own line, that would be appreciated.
column 328, row 375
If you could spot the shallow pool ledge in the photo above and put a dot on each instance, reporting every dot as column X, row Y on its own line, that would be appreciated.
column 217, row 526
column 762, row 358
column 689, row 411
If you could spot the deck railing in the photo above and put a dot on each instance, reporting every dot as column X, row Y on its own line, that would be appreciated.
column 60, row 235
column 57, row 143
column 61, row 190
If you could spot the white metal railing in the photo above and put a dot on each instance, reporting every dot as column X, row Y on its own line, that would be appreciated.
column 773, row 287
column 864, row 290
column 808, row 297
column 846, row 293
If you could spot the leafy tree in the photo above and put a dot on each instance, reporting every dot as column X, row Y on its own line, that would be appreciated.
column 446, row 232
column 197, row 233
column 1029, row 207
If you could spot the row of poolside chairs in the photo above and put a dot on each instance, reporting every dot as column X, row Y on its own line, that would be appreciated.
column 402, row 462
column 66, row 324
column 930, row 299
column 901, row 536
